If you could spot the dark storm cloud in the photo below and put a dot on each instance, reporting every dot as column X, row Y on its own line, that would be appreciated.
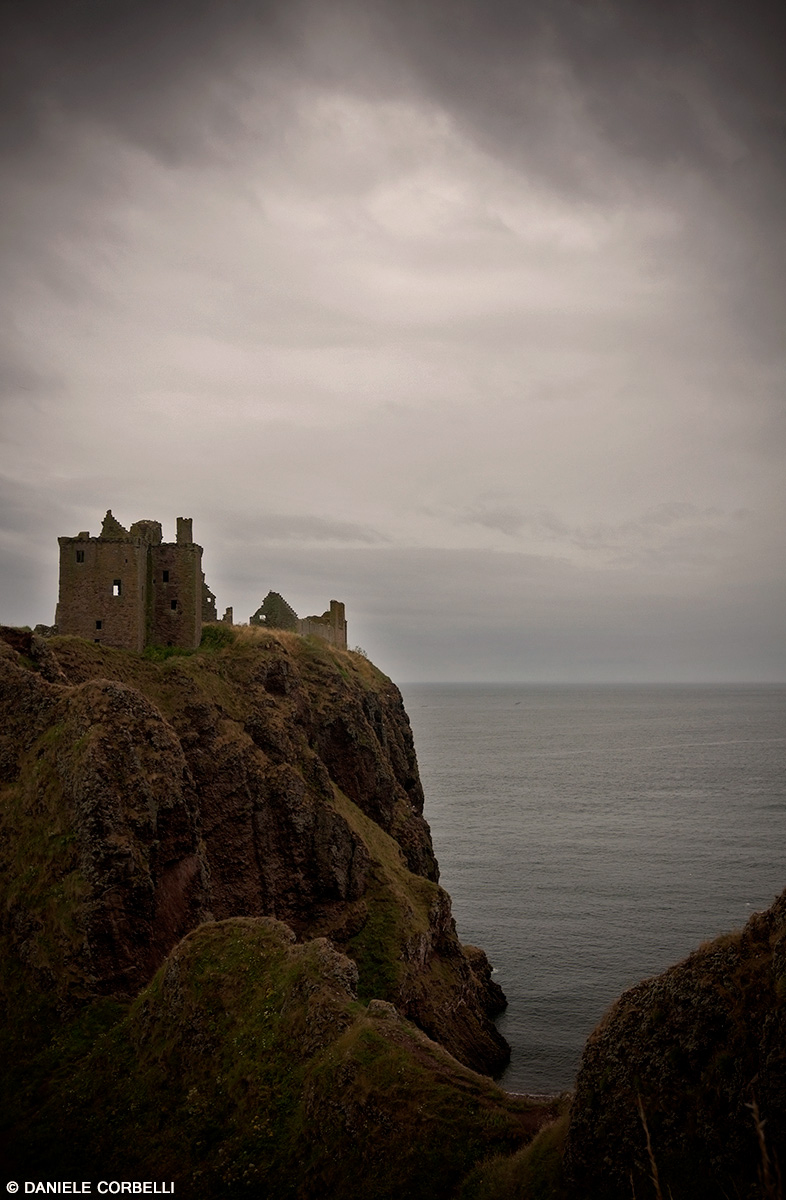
column 257, row 531
column 646, row 72
column 606, row 97
column 661, row 81
column 129, row 64
column 590, row 96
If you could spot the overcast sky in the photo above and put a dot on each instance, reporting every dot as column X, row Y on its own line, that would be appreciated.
column 469, row 314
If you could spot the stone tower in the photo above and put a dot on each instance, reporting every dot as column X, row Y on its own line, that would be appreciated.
column 128, row 588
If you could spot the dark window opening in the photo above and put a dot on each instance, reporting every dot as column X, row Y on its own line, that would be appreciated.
column 173, row 605
column 116, row 587
column 80, row 556
column 99, row 624
column 166, row 576
column 170, row 642
column 97, row 640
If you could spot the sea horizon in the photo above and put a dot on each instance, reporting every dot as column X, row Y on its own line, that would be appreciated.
column 710, row 683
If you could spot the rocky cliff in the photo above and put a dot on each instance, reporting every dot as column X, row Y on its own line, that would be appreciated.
column 227, row 959
column 694, row 1060
column 266, row 776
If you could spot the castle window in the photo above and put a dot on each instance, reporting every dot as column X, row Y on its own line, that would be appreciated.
column 80, row 556
column 116, row 586
column 173, row 605
column 99, row 624
column 166, row 576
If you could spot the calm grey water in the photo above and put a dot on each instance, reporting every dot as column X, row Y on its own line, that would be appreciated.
column 592, row 836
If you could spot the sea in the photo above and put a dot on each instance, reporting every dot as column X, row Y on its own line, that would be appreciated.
column 592, row 836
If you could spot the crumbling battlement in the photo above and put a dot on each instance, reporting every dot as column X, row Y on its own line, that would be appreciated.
column 332, row 625
column 129, row 588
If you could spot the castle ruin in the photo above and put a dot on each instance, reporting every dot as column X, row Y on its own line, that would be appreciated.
column 275, row 613
column 130, row 589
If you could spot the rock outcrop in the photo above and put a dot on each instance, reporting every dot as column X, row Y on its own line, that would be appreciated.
column 698, row 1056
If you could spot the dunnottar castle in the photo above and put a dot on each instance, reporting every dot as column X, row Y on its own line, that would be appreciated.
column 129, row 588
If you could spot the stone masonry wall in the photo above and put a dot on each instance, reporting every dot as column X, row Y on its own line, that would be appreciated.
column 103, row 590
column 129, row 588
column 176, row 595
column 331, row 626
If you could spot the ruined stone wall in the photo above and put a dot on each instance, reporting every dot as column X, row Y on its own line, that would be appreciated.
column 331, row 626
column 208, row 603
column 275, row 613
column 103, row 590
column 131, row 589
column 338, row 620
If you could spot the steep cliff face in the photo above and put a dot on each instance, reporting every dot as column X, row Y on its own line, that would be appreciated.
column 700, row 1053
column 268, row 775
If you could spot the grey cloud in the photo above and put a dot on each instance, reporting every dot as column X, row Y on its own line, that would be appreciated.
column 32, row 519
column 647, row 75
column 636, row 63
column 17, row 373
column 22, row 381
column 277, row 528
column 675, row 516
column 655, row 535
column 508, row 520
column 132, row 65
column 30, row 509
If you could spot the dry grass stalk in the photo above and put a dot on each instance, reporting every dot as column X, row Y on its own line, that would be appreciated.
column 770, row 1187
column 769, row 1173
column 653, row 1165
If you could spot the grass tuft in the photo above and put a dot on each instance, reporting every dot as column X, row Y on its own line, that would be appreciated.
column 217, row 637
